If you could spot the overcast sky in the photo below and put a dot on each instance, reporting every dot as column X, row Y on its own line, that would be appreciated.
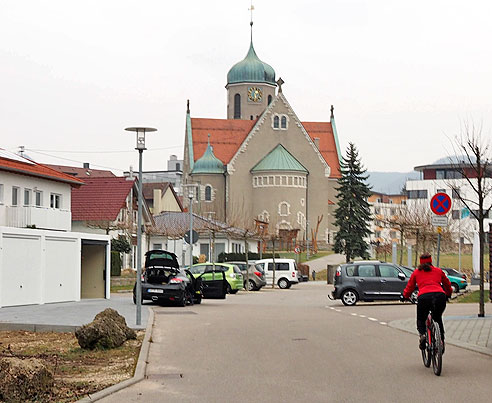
column 403, row 76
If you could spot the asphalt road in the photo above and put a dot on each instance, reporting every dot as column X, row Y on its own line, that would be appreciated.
column 295, row 345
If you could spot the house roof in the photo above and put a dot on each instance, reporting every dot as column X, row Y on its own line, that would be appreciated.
column 100, row 199
column 148, row 191
column 279, row 159
column 227, row 135
column 14, row 163
column 81, row 173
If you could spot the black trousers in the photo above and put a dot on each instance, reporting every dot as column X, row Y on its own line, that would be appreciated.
column 431, row 301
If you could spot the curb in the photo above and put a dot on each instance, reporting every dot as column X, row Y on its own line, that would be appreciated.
column 397, row 324
column 139, row 370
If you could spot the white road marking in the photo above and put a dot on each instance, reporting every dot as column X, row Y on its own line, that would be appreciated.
column 353, row 314
column 382, row 323
column 338, row 310
column 373, row 319
column 362, row 316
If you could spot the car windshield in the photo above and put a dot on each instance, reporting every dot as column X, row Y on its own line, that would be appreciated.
column 242, row 266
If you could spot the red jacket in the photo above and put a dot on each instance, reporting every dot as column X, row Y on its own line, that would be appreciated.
column 428, row 281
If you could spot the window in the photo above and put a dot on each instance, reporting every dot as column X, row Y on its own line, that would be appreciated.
column 283, row 209
column 392, row 234
column 455, row 193
column 15, row 196
column 255, row 181
column 237, row 106
column 441, row 190
column 157, row 246
column 350, row 271
column 283, row 122
column 455, row 214
column 417, row 194
column 27, row 197
column 178, row 166
column 392, row 211
column 277, row 180
column 378, row 200
column 279, row 266
column 208, row 193
column 367, row 271
column 269, row 99
column 38, row 195
column 440, row 174
column 388, row 271
column 276, row 122
column 55, row 200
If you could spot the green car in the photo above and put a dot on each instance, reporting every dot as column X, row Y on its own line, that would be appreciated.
column 457, row 283
column 233, row 274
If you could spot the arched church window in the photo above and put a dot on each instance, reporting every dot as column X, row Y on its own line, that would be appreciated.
column 283, row 122
column 269, row 99
column 276, row 122
column 208, row 193
column 237, row 106
column 283, row 209
column 178, row 166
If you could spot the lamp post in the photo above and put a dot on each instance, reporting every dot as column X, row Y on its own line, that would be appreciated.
column 140, row 147
column 191, row 190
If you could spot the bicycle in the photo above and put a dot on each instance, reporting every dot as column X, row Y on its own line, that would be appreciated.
column 433, row 345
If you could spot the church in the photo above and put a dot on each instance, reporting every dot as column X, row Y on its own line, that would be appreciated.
column 262, row 163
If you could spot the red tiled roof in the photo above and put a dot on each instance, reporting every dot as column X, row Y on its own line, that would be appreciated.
column 81, row 173
column 100, row 199
column 327, row 145
column 37, row 170
column 227, row 135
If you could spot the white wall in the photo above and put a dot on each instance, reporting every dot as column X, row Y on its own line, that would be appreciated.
column 38, row 266
column 42, row 217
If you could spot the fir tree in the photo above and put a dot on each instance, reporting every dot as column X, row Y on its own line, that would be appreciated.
column 352, row 214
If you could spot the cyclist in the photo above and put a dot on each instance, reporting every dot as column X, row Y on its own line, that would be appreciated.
column 434, row 289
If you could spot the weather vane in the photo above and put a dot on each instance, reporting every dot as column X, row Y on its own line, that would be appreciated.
column 251, row 21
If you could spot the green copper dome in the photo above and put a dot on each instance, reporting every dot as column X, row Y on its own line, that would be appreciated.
column 251, row 69
column 279, row 159
column 208, row 163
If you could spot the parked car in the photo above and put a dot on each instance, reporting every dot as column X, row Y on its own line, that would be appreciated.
column 232, row 274
column 370, row 281
column 285, row 271
column 453, row 272
column 254, row 278
column 163, row 281
column 458, row 283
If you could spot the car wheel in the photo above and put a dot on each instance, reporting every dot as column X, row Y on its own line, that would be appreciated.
column 283, row 283
column 455, row 287
column 234, row 291
column 250, row 286
column 349, row 297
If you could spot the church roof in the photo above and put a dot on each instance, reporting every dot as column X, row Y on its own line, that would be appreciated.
column 227, row 135
column 208, row 163
column 279, row 159
column 251, row 69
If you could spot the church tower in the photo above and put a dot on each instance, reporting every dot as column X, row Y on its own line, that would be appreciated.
column 250, row 86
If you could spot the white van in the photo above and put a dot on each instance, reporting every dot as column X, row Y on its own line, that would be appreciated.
column 285, row 271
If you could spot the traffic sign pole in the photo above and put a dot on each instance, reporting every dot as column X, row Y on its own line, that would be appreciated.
column 438, row 247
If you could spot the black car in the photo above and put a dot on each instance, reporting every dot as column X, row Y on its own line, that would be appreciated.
column 453, row 272
column 163, row 281
column 370, row 281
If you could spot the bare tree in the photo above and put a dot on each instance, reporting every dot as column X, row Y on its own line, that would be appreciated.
column 475, row 167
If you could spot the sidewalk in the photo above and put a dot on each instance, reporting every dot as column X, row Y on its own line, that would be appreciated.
column 322, row 262
column 470, row 331
column 67, row 316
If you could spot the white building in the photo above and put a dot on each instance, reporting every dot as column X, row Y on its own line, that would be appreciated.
column 41, row 260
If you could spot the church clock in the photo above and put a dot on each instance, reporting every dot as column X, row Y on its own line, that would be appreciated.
column 255, row 94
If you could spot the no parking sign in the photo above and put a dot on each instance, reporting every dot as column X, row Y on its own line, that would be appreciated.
column 440, row 203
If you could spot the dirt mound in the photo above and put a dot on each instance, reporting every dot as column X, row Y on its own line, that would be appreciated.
column 24, row 380
column 107, row 330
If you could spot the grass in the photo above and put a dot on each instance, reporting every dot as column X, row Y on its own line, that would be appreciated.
column 303, row 256
column 118, row 288
column 473, row 297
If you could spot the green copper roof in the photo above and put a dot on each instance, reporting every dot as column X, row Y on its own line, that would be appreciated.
column 208, row 163
column 279, row 159
column 251, row 69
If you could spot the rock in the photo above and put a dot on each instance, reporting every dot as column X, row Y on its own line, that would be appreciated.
column 24, row 380
column 107, row 330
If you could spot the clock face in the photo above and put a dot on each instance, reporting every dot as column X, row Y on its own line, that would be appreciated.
column 255, row 94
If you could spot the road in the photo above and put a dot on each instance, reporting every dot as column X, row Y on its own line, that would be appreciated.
column 295, row 345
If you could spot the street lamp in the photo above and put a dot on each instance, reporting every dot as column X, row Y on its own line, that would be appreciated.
column 140, row 147
column 191, row 190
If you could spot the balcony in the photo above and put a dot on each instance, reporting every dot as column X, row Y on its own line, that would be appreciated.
column 38, row 217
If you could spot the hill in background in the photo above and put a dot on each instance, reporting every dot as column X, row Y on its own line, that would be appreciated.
column 390, row 182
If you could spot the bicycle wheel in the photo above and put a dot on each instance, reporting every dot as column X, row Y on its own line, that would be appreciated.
column 426, row 352
column 436, row 349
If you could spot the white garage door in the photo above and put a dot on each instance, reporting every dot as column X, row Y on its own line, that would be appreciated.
column 21, row 275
